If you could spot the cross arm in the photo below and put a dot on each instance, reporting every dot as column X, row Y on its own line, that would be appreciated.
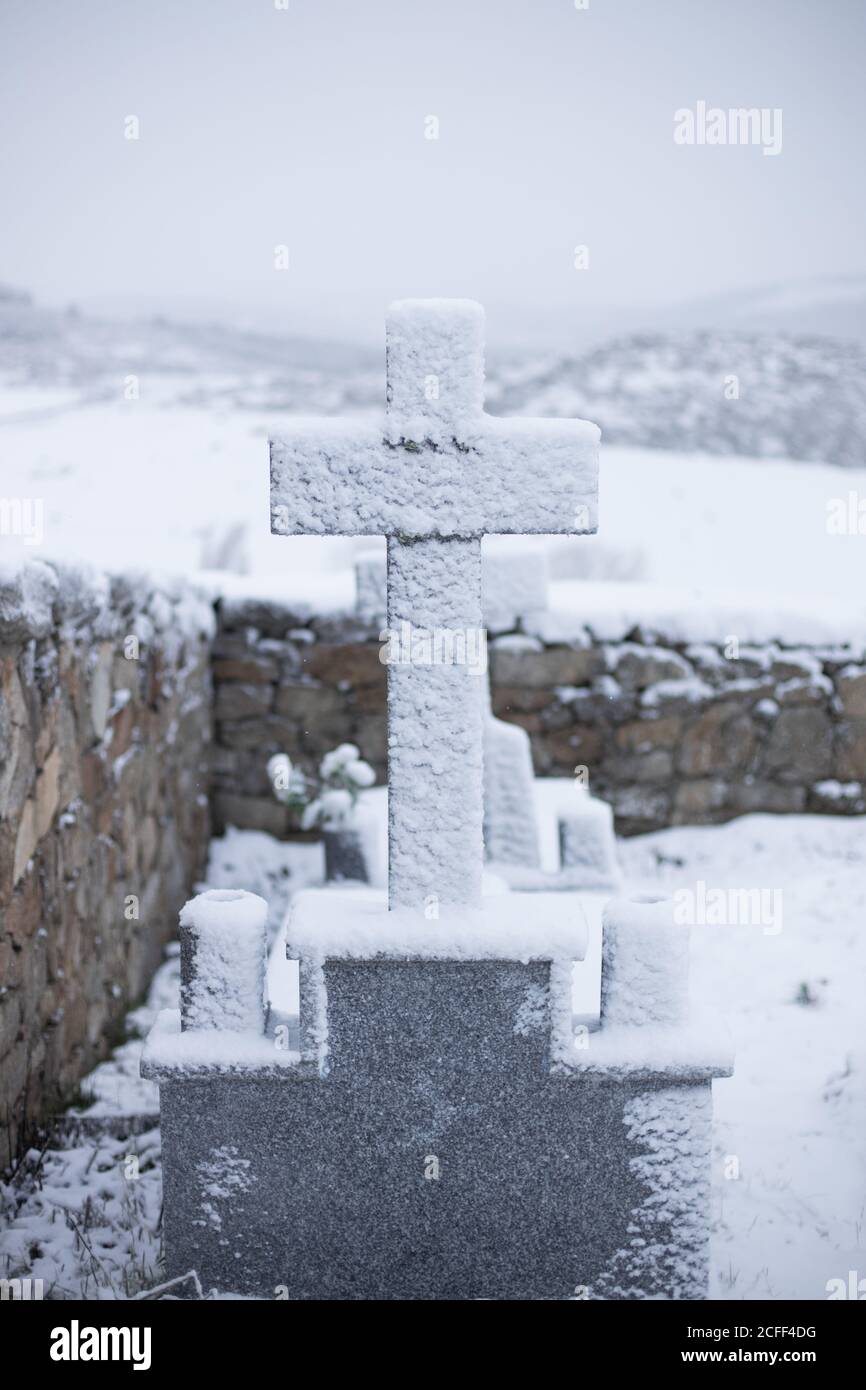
column 540, row 477
column 503, row 476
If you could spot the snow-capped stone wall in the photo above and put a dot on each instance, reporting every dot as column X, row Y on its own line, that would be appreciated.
column 670, row 731
column 105, row 716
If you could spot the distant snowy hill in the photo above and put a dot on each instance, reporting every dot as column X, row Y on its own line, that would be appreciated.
column 81, row 359
column 756, row 395
column 799, row 396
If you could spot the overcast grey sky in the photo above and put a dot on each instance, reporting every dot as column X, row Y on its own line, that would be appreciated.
column 306, row 127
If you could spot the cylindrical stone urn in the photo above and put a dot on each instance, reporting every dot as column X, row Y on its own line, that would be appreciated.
column 645, row 963
column 344, row 856
column 222, row 961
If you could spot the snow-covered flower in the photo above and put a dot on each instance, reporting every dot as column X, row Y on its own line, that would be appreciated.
column 360, row 773
column 343, row 774
column 338, row 759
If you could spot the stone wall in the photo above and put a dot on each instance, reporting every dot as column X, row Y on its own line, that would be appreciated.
column 105, row 718
column 105, row 768
column 669, row 732
column 685, row 735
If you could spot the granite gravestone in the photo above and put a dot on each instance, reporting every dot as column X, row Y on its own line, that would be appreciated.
column 441, row 1133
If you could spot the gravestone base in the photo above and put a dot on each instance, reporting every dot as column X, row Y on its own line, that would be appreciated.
column 436, row 1137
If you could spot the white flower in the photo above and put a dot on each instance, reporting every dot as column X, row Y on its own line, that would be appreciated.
column 360, row 773
column 311, row 814
column 336, row 760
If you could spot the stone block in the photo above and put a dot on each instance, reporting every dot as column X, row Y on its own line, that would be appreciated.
column 509, row 699
column 369, row 699
column 310, row 705
column 545, row 669
column 26, row 603
column 10, row 1020
column 700, row 799
column 17, row 742
column 851, row 688
column 579, row 744
column 656, row 765
column 721, row 739
column 234, row 658
column 349, row 664
column 804, row 690
column 645, row 735
column 637, row 667
column 26, row 841
column 270, row 734
column 800, row 748
column 776, row 798
column 100, row 688
column 249, row 813
column 371, row 736
column 240, row 700
column 849, row 757
column 47, row 793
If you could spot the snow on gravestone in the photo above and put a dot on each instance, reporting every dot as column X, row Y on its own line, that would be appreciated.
column 470, row 1052
column 433, row 478
column 514, row 594
column 513, row 588
column 511, row 833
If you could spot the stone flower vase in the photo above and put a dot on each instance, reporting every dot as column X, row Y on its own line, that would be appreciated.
column 344, row 855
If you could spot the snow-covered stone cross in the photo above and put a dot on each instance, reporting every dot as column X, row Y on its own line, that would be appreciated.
column 434, row 477
column 451, row 1042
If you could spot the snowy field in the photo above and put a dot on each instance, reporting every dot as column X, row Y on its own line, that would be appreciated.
column 85, row 1216
column 161, row 486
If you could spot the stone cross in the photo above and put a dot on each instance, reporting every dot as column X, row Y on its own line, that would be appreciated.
column 444, row 1052
column 433, row 477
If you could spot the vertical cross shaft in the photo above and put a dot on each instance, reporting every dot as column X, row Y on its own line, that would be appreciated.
column 434, row 477
column 434, row 731
column 435, row 388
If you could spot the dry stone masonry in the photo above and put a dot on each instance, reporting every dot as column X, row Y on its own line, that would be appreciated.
column 105, row 719
column 671, row 732
column 439, row 1133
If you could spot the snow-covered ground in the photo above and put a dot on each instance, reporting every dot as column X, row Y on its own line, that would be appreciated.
column 792, row 1114
column 790, row 1148
column 133, row 483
